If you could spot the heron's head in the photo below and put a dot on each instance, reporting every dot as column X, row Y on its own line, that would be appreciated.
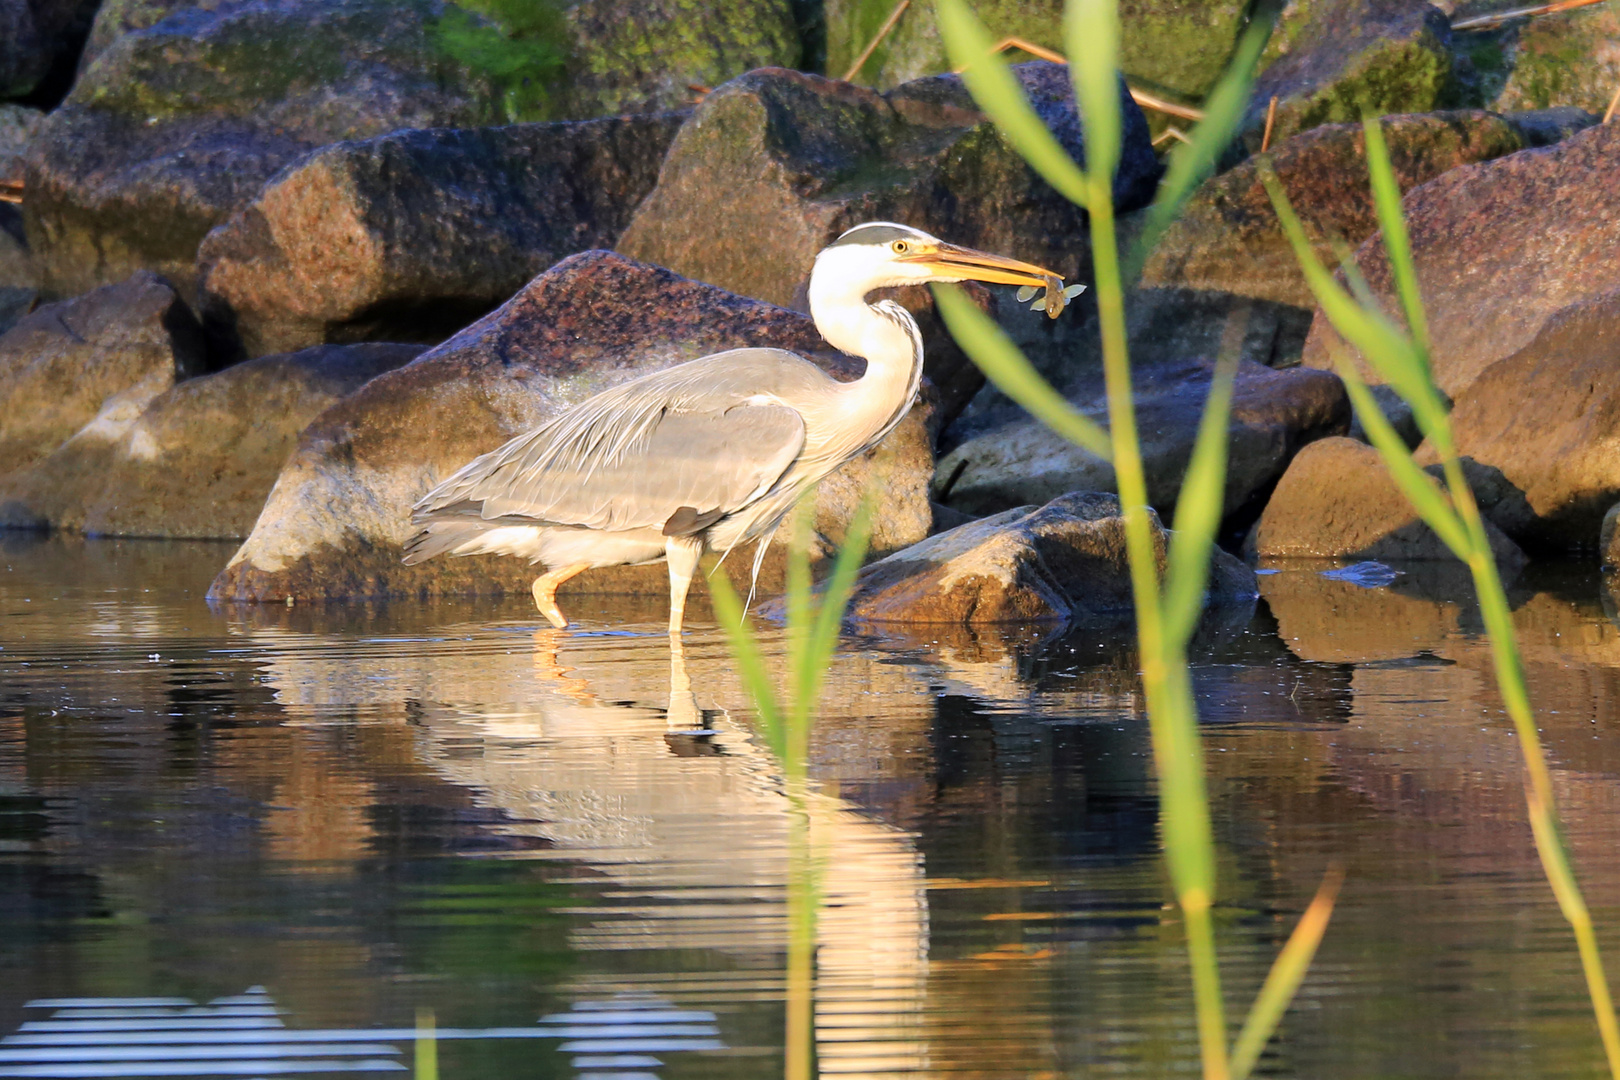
column 879, row 254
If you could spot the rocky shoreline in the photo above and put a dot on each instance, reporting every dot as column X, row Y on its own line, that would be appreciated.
column 279, row 266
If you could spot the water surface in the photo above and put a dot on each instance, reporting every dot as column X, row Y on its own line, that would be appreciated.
column 279, row 832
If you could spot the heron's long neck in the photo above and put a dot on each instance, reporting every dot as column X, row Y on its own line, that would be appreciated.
column 883, row 334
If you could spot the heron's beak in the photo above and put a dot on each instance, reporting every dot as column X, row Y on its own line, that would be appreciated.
column 965, row 264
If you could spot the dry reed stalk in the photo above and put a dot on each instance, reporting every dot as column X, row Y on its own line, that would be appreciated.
column 1171, row 133
column 1141, row 97
column 1497, row 18
column 11, row 191
column 871, row 46
column 1271, row 120
column 1614, row 103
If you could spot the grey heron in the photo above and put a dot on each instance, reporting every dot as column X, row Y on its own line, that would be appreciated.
column 714, row 452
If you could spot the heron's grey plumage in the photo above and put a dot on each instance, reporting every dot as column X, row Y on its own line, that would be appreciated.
column 708, row 454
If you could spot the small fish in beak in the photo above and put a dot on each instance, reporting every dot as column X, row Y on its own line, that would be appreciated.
column 1054, row 299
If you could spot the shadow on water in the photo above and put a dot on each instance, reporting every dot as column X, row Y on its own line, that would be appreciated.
column 366, row 810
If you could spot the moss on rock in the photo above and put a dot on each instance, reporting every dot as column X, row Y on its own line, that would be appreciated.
column 1572, row 58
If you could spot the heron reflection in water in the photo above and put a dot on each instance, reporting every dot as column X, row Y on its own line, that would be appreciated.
column 714, row 452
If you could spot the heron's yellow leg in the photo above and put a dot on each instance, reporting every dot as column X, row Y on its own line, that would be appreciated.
column 683, row 553
column 545, row 592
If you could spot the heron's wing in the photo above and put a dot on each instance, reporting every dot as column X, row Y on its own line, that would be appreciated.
column 679, row 448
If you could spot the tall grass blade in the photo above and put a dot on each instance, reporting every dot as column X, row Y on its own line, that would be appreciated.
column 1202, row 498
column 728, row 610
column 996, row 89
column 425, row 1065
column 1192, row 162
column 1397, row 244
column 1003, row 364
column 1091, row 37
column 1287, row 972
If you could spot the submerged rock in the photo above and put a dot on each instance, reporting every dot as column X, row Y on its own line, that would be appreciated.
column 61, row 364
column 1274, row 414
column 410, row 236
column 1536, row 431
column 775, row 165
column 1062, row 562
column 335, row 523
column 1330, row 61
column 1337, row 500
column 1229, row 239
column 177, row 126
column 198, row 460
column 1500, row 247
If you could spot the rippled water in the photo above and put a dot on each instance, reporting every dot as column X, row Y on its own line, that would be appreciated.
column 572, row 850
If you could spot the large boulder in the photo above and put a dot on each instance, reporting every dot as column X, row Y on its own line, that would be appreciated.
column 1500, row 247
column 17, row 276
column 177, row 126
column 1337, row 501
column 1229, row 239
column 1537, row 431
column 1274, row 414
column 17, row 124
column 774, row 165
column 411, row 236
column 1571, row 59
column 198, row 460
column 1062, row 562
column 39, row 45
column 1175, row 47
column 62, row 363
column 1330, row 61
column 335, row 523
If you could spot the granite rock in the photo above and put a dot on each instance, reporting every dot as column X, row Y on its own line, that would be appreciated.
column 1500, row 247
column 411, row 236
column 1062, row 562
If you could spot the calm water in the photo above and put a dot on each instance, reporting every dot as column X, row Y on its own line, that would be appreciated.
column 570, row 848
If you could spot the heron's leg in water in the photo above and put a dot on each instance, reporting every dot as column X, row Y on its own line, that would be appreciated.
column 545, row 592
column 683, row 553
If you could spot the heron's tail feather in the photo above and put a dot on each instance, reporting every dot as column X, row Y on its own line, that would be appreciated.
column 436, row 538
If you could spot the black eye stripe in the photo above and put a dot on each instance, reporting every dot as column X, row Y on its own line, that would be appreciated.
column 875, row 234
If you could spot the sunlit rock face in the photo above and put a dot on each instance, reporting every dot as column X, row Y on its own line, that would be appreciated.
column 64, row 364
column 1064, row 562
column 1338, row 501
column 1500, row 247
column 198, row 459
column 335, row 523
column 412, row 235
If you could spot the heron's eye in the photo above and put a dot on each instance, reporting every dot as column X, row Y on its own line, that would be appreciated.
column 899, row 247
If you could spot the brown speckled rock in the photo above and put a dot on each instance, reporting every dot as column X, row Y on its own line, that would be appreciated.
column 1500, row 247
column 1337, row 501
column 199, row 459
column 1062, row 562
column 340, row 511
column 411, row 236
column 1538, row 431
column 1229, row 240
column 63, row 362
